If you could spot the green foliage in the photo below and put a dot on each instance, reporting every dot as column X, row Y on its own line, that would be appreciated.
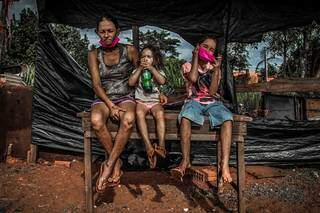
column 238, row 56
column 167, row 45
column 70, row 38
column 28, row 76
column 173, row 71
column 289, row 44
column 24, row 39
column 249, row 100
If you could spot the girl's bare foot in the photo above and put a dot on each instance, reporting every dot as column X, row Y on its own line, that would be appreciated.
column 225, row 174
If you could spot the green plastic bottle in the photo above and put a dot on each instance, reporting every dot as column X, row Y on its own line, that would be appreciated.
column 147, row 80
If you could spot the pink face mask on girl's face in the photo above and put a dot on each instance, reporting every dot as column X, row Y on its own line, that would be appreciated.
column 113, row 44
column 205, row 55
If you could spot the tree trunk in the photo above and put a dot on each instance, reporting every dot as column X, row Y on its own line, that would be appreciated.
column 306, row 49
column 3, row 29
column 285, row 59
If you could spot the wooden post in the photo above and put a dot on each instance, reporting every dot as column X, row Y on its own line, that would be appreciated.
column 218, row 157
column 88, row 174
column 240, row 175
column 135, row 36
column 32, row 157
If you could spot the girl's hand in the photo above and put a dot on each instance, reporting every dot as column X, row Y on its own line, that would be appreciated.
column 140, row 68
column 217, row 63
column 163, row 99
column 115, row 112
column 195, row 52
column 146, row 64
column 2, row 82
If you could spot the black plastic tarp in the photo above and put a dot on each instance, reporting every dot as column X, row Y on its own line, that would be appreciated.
column 246, row 19
column 62, row 89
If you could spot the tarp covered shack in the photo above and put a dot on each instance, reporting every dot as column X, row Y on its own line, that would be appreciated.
column 62, row 89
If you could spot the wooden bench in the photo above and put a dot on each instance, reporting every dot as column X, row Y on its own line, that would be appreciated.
column 202, row 133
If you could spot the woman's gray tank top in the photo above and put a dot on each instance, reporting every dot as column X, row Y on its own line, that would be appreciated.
column 114, row 79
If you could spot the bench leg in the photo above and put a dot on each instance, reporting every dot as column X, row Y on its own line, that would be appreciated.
column 32, row 154
column 240, row 176
column 218, row 160
column 88, row 174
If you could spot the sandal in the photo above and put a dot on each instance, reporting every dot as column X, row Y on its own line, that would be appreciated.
column 160, row 150
column 115, row 181
column 178, row 173
column 152, row 159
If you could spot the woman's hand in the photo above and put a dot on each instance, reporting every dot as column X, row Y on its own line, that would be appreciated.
column 115, row 112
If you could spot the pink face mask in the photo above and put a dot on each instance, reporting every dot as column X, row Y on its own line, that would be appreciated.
column 205, row 55
column 113, row 44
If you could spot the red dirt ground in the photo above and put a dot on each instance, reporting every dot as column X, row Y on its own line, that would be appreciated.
column 46, row 187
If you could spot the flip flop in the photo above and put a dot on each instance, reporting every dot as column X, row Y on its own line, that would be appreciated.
column 116, row 181
column 178, row 173
column 152, row 160
column 160, row 150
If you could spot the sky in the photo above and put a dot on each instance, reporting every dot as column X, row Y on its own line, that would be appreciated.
column 185, row 49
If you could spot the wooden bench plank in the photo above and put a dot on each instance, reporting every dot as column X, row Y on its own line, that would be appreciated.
column 199, row 133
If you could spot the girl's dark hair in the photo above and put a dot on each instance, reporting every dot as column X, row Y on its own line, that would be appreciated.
column 208, row 37
column 157, row 56
column 108, row 17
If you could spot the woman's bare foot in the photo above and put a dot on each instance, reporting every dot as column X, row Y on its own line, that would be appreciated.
column 102, row 181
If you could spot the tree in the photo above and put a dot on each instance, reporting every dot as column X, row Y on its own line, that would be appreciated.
column 24, row 39
column 166, row 44
column 283, row 43
column 297, row 46
column 238, row 55
column 70, row 38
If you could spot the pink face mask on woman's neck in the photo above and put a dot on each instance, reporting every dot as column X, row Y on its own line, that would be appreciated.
column 112, row 45
column 205, row 55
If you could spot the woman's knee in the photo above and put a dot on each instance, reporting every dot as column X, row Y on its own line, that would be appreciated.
column 97, row 122
column 128, row 120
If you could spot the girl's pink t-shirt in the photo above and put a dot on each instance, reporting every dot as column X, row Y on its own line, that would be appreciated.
column 199, row 91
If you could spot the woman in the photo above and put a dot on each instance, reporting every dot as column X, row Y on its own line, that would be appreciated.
column 110, row 64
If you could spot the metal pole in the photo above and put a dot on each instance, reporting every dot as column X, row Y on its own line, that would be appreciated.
column 266, row 64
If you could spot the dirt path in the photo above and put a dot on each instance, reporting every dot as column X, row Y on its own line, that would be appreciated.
column 52, row 188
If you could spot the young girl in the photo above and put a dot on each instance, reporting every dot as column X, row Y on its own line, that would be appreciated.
column 202, row 78
column 147, row 98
